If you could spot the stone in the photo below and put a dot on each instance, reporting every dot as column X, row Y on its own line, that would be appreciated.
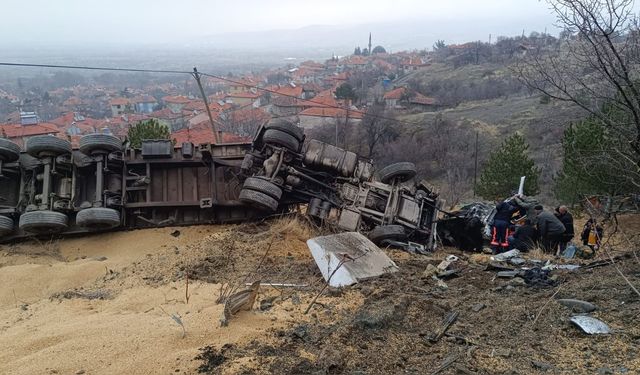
column 542, row 366
column 430, row 271
column 577, row 305
column 478, row 306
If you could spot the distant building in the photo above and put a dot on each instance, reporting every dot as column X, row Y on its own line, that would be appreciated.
column 119, row 106
column 144, row 103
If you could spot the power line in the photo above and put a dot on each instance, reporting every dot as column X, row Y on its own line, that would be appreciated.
column 363, row 113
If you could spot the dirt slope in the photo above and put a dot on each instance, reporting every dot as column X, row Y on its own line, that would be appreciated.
column 66, row 309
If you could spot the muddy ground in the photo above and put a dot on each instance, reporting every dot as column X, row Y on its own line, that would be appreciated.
column 108, row 304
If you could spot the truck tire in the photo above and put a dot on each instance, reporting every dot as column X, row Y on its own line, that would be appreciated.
column 287, row 127
column 403, row 171
column 387, row 232
column 280, row 138
column 259, row 200
column 47, row 145
column 98, row 218
column 9, row 151
column 6, row 225
column 263, row 185
column 99, row 142
column 43, row 222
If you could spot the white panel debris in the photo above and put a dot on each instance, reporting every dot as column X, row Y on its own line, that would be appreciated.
column 347, row 258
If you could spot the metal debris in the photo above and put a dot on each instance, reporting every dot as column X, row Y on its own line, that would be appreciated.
column 590, row 324
column 346, row 258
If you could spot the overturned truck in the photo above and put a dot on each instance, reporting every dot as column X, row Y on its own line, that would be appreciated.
column 50, row 188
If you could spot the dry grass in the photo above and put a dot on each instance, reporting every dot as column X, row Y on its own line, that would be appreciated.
column 538, row 253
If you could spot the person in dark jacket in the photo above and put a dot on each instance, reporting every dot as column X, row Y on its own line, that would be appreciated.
column 500, row 228
column 525, row 237
column 566, row 218
column 550, row 229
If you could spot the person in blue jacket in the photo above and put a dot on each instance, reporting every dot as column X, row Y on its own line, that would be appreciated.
column 500, row 227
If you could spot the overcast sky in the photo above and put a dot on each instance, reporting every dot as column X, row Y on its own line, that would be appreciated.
column 153, row 21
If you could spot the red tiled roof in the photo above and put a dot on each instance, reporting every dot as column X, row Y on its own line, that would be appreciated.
column 249, row 114
column 119, row 101
column 144, row 99
column 165, row 114
column 424, row 100
column 288, row 90
column 17, row 130
column 396, row 93
column 330, row 112
column 176, row 99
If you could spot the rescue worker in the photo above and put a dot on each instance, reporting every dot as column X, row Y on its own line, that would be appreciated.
column 550, row 229
column 500, row 227
column 525, row 237
column 566, row 218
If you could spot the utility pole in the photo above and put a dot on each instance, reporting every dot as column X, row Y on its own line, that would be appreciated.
column 475, row 168
column 216, row 136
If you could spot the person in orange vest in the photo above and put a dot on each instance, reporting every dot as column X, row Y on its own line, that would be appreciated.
column 592, row 234
column 500, row 227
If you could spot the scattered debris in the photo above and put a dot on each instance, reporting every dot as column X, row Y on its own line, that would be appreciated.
column 577, row 305
column 538, row 277
column 478, row 306
column 242, row 300
column 175, row 233
column 445, row 364
column 590, row 324
column 447, row 262
column 506, row 255
column 346, row 258
column 517, row 261
column 508, row 274
column 449, row 319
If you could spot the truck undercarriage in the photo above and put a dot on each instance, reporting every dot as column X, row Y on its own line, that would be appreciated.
column 49, row 188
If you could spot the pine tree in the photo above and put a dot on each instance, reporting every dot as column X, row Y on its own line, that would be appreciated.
column 501, row 175
column 149, row 129
column 591, row 164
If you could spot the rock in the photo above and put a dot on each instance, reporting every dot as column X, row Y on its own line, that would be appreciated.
column 175, row 233
column 430, row 271
column 516, row 281
column 502, row 352
column 577, row 305
column 301, row 332
column 381, row 313
column 79, row 372
column 542, row 366
column 478, row 306
column 605, row 371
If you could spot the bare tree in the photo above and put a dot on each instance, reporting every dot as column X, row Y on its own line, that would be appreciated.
column 595, row 66
column 377, row 129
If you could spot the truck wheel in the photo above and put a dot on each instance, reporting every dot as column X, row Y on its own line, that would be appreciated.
column 403, row 171
column 9, row 151
column 98, row 218
column 280, row 138
column 47, row 145
column 6, row 225
column 43, row 222
column 387, row 232
column 259, row 200
column 287, row 127
column 99, row 142
column 263, row 185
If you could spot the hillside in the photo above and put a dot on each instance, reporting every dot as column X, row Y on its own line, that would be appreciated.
column 103, row 304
